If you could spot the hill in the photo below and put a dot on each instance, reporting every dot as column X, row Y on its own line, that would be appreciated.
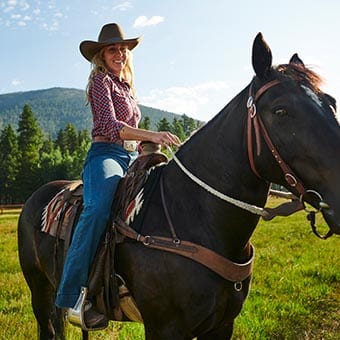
column 56, row 107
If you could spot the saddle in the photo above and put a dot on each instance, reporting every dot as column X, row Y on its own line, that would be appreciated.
column 106, row 289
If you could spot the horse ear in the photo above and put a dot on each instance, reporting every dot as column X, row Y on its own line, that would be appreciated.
column 331, row 100
column 261, row 57
column 296, row 60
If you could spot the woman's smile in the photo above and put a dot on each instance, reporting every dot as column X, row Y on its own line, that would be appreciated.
column 115, row 57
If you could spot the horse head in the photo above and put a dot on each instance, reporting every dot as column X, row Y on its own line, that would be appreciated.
column 289, row 109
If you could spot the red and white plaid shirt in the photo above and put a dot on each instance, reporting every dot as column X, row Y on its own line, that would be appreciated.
column 113, row 106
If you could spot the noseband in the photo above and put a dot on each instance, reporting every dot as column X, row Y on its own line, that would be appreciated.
column 254, row 122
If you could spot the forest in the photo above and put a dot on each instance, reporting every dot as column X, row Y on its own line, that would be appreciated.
column 30, row 158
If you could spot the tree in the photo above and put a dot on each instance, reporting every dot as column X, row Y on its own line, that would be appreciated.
column 145, row 123
column 30, row 140
column 189, row 125
column 9, row 164
column 163, row 125
column 67, row 139
column 177, row 129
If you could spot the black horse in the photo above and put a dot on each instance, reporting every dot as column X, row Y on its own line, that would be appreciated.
column 281, row 128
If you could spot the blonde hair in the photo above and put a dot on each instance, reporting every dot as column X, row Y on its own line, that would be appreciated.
column 98, row 66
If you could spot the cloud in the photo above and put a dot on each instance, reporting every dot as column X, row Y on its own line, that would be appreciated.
column 143, row 21
column 45, row 15
column 16, row 82
column 201, row 101
column 124, row 6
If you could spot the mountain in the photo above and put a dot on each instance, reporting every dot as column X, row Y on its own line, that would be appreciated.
column 56, row 107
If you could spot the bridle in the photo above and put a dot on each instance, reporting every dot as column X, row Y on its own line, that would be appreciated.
column 229, row 270
column 255, row 123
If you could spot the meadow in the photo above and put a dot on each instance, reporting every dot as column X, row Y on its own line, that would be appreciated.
column 295, row 291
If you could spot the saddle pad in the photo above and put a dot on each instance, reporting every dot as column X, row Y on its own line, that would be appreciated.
column 59, row 212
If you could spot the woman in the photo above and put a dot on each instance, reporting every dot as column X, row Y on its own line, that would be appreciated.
column 115, row 134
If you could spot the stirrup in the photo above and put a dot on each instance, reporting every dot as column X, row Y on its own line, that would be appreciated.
column 75, row 315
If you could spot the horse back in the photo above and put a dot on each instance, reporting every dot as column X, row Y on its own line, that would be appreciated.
column 32, row 243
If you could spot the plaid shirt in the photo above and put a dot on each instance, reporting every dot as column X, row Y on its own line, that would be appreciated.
column 113, row 106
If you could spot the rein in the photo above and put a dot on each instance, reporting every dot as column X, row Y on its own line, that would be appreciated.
column 243, row 205
column 254, row 122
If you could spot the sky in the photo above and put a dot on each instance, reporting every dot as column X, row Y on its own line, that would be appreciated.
column 195, row 56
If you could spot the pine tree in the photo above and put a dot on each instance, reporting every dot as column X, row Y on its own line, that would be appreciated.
column 177, row 129
column 189, row 125
column 30, row 140
column 145, row 123
column 163, row 125
column 9, row 164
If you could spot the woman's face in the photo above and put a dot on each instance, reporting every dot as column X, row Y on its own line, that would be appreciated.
column 115, row 58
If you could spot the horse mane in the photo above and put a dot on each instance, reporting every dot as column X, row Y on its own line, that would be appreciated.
column 300, row 74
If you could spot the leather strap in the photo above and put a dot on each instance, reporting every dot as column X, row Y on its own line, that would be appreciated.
column 231, row 271
column 255, row 122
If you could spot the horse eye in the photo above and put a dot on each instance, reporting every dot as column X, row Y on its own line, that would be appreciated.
column 280, row 112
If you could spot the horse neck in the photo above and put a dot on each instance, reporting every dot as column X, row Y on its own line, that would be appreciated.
column 217, row 155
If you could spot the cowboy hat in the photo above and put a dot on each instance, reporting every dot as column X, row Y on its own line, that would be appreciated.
column 109, row 34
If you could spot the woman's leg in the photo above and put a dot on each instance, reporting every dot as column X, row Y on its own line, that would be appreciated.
column 101, row 177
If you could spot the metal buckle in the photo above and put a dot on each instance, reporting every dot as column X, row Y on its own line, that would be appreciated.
column 130, row 145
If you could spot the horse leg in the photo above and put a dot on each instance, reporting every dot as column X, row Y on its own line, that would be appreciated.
column 49, row 317
column 85, row 335
column 169, row 330
column 223, row 333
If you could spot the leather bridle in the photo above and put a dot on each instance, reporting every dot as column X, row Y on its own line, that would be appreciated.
column 255, row 123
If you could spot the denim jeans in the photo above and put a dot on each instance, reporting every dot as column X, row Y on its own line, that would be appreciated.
column 105, row 164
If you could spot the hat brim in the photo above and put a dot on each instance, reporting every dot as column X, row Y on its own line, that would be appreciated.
column 89, row 48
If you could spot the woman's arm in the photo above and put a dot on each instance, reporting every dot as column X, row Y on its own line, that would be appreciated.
column 162, row 137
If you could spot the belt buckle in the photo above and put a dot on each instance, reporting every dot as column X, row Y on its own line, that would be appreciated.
column 130, row 145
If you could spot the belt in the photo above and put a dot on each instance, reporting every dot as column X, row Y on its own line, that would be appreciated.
column 128, row 145
column 101, row 139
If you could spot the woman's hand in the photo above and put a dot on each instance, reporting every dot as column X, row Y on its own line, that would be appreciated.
column 165, row 138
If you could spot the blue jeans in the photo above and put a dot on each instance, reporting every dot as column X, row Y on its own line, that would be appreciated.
column 105, row 164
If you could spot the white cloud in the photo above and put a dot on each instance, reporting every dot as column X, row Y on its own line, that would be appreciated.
column 8, row 9
column 46, row 15
column 16, row 82
column 51, row 26
column 143, row 21
column 25, row 6
column 201, row 101
column 124, row 6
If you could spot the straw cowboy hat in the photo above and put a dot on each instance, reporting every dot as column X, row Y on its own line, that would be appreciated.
column 109, row 34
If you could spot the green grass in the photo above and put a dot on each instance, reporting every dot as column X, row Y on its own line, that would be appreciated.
column 295, row 291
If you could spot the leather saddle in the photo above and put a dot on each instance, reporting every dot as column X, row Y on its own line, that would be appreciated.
column 105, row 287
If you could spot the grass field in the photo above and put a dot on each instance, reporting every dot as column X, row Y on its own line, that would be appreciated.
column 295, row 290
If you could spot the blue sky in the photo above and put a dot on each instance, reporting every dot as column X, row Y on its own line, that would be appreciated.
column 195, row 55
